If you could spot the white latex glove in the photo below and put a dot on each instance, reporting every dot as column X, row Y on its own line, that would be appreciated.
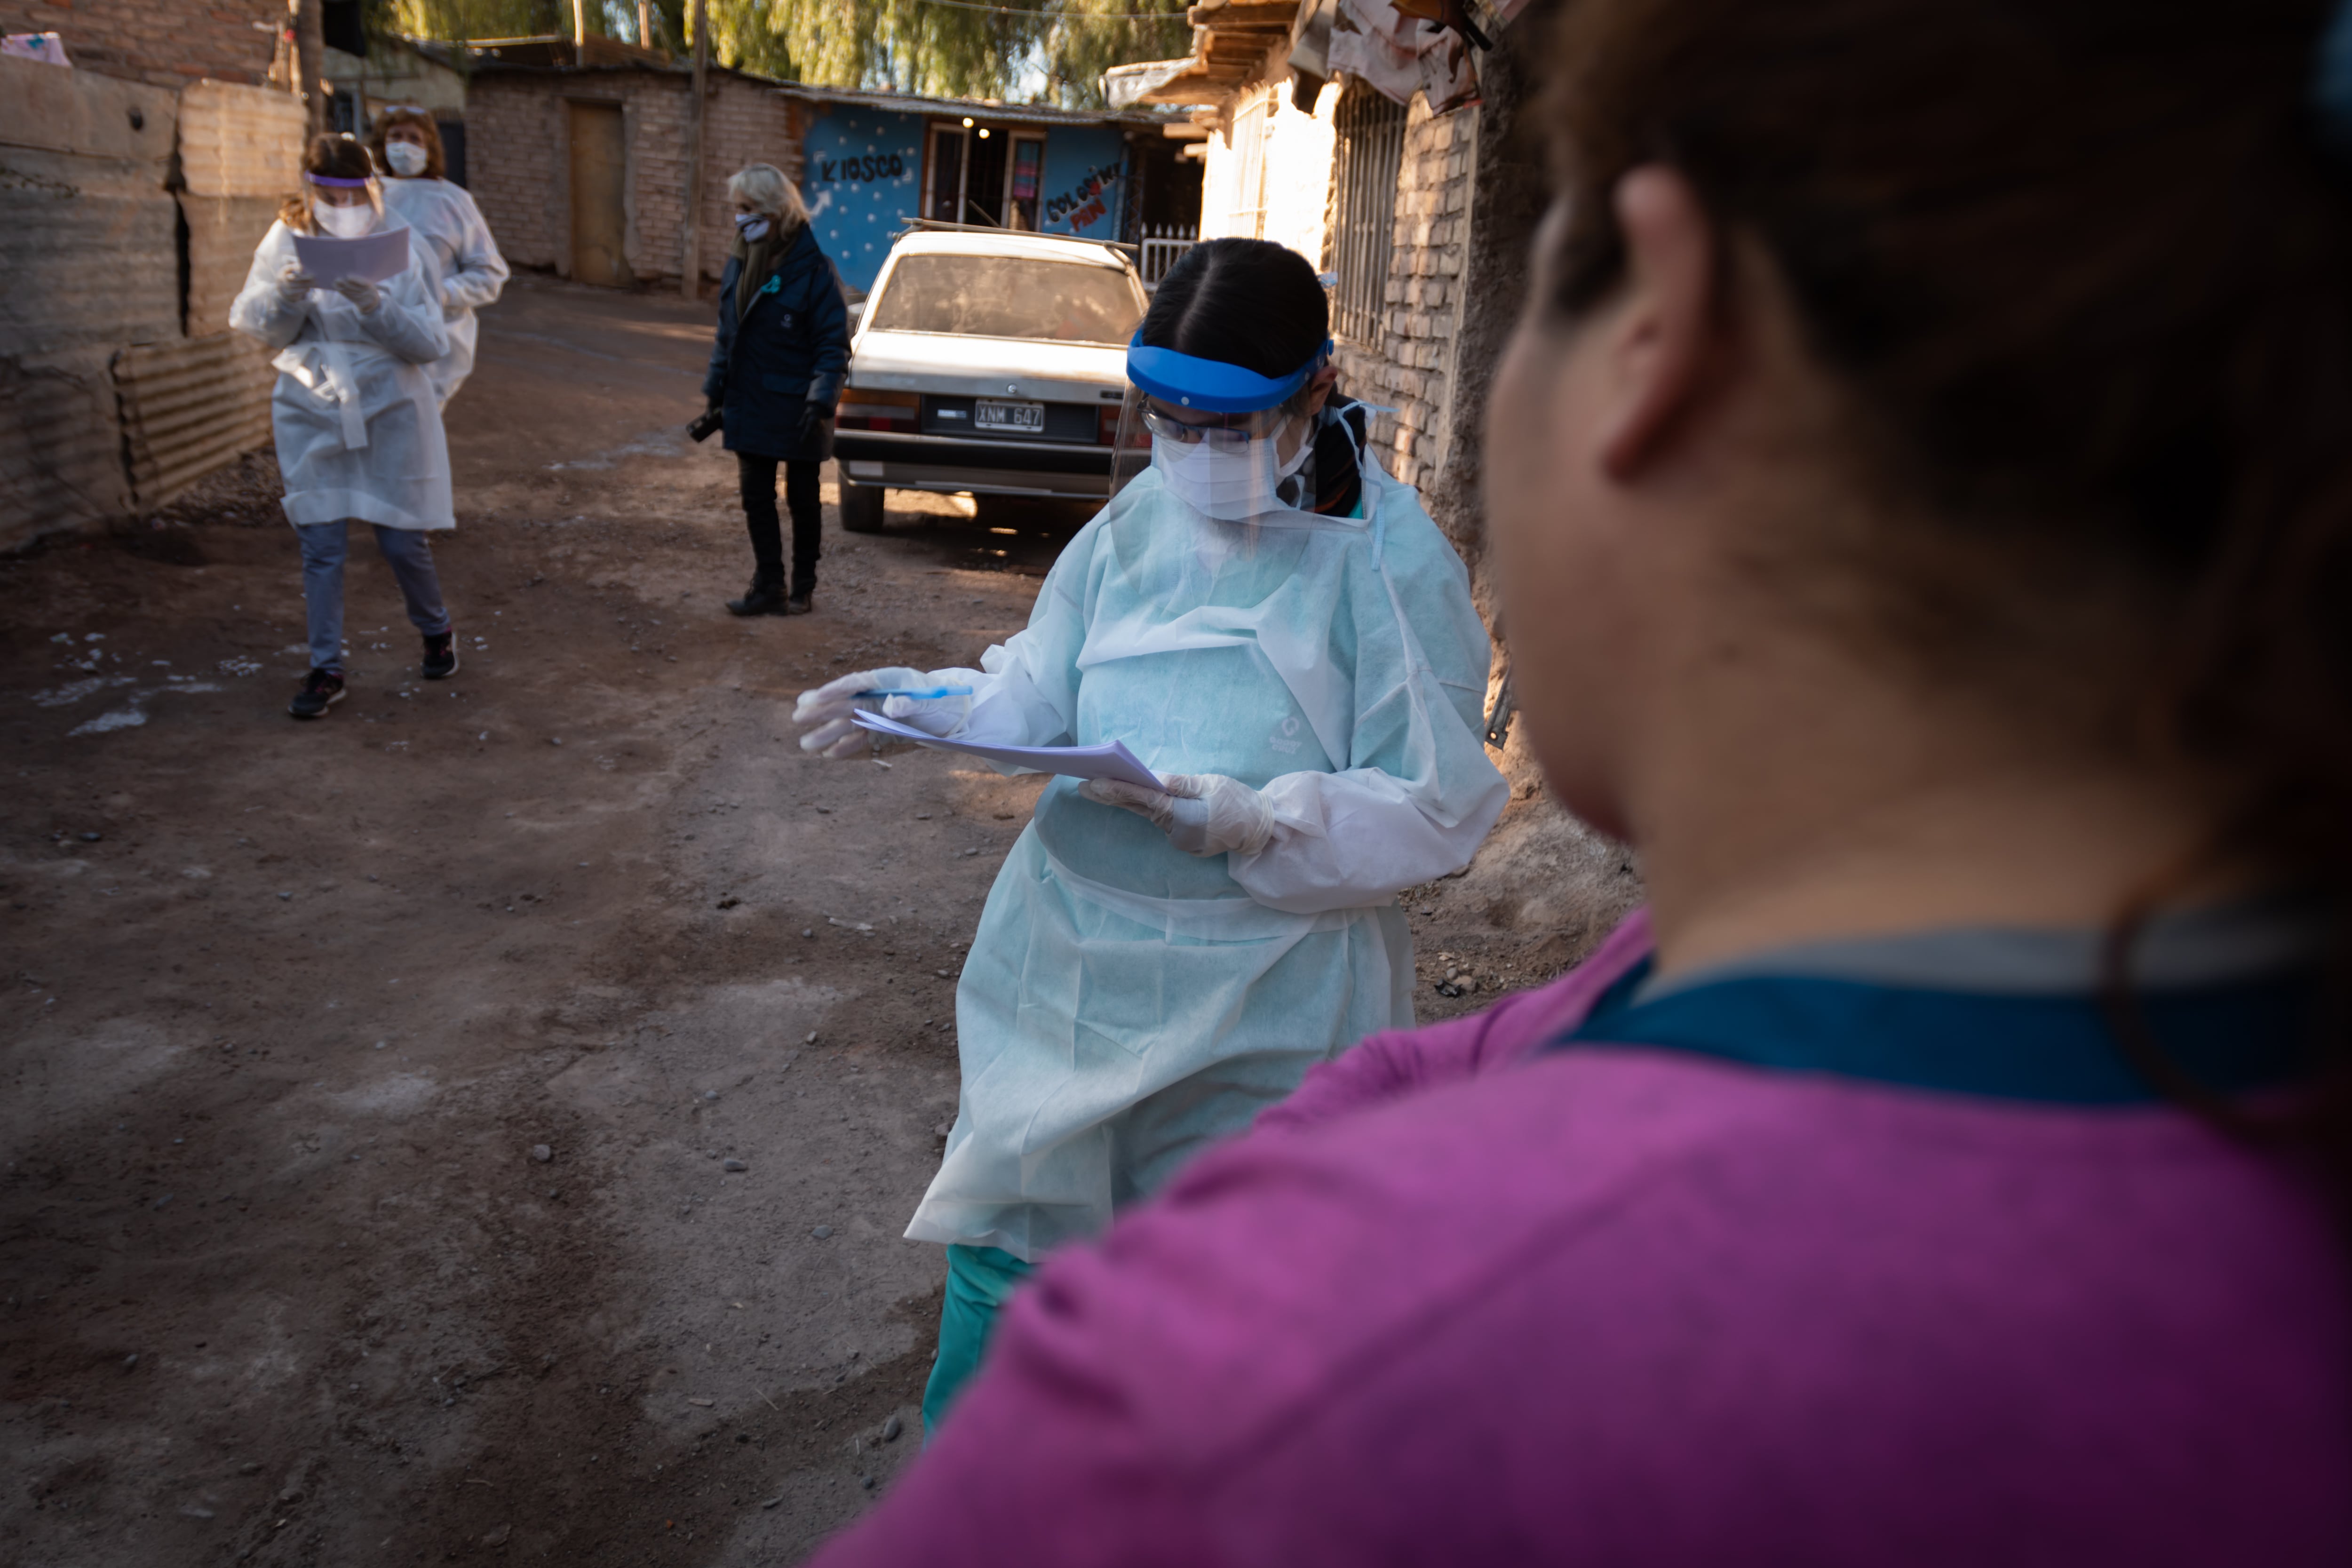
column 1203, row 814
column 824, row 712
column 294, row 285
column 360, row 292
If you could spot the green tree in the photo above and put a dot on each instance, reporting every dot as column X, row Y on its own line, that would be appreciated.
column 1089, row 36
column 1057, row 49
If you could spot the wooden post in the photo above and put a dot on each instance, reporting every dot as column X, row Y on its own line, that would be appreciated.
column 690, row 258
column 579, row 25
column 311, row 61
column 645, row 24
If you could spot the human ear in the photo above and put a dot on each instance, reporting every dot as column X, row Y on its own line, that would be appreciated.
column 1660, row 333
column 1319, row 388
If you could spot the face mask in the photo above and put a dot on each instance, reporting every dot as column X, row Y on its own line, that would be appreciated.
column 752, row 227
column 1232, row 484
column 406, row 158
column 343, row 222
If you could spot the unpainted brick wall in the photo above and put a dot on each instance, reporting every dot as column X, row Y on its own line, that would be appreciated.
column 1412, row 369
column 167, row 42
column 518, row 160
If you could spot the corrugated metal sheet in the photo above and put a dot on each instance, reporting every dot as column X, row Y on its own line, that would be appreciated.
column 188, row 407
column 92, row 116
column 239, row 140
column 61, row 444
column 222, row 234
column 89, row 253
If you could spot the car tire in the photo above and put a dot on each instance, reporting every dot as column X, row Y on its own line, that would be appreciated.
column 861, row 507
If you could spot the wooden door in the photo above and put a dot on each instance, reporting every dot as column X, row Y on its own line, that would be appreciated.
column 599, row 215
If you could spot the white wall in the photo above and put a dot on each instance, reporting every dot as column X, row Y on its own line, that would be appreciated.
column 1292, row 164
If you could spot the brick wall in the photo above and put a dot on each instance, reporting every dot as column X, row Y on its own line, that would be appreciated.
column 167, row 42
column 519, row 160
column 1412, row 368
column 517, row 166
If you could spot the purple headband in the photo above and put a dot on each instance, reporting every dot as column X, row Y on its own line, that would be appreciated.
column 338, row 184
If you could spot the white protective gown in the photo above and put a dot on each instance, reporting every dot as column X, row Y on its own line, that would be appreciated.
column 358, row 428
column 1127, row 1004
column 472, row 270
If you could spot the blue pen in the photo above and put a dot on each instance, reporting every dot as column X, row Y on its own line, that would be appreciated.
column 934, row 691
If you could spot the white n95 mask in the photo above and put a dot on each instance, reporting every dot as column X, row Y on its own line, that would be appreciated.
column 343, row 222
column 1231, row 483
column 406, row 158
column 752, row 227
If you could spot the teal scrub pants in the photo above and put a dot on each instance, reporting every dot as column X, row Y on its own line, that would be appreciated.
column 980, row 1279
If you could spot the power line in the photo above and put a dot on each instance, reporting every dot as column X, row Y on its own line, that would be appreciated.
column 1044, row 15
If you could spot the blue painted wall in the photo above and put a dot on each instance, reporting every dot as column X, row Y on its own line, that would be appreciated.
column 1084, row 165
column 862, row 176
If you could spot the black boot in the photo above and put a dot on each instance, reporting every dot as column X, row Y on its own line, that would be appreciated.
column 803, row 586
column 764, row 597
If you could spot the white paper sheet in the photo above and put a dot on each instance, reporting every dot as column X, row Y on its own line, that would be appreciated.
column 371, row 256
column 1109, row 761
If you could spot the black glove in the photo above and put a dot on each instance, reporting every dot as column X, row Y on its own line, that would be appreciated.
column 813, row 417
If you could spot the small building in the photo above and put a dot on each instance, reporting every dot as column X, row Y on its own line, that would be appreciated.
column 870, row 162
column 579, row 161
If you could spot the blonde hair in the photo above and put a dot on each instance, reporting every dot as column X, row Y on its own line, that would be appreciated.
column 763, row 185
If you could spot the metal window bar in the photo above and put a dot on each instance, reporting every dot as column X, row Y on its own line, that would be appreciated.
column 1163, row 244
column 1371, row 155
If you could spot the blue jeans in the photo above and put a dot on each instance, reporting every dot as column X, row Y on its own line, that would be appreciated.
column 325, row 547
column 978, row 1280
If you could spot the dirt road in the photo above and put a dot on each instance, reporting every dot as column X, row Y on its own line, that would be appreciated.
column 481, row 1124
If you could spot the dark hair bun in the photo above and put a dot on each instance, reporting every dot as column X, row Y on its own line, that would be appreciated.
column 1249, row 302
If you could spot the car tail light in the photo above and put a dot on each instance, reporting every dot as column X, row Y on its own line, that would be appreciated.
column 866, row 409
column 1107, row 428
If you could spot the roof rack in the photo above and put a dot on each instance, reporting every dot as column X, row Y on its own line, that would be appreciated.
column 940, row 226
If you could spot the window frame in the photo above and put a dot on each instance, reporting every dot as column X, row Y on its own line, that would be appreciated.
column 1367, row 169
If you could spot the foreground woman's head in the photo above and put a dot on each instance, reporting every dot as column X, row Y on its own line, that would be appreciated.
column 1927, row 451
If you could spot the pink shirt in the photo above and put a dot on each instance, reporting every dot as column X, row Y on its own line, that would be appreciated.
column 1459, row 1301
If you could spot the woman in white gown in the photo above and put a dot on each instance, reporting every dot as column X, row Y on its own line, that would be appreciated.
column 357, row 425
column 419, row 192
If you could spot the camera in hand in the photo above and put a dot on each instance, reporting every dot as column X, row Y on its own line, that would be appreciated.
column 702, row 429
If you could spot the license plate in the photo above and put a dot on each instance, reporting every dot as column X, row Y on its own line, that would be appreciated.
column 1021, row 419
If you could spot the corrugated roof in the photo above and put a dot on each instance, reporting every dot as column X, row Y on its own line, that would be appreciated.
column 190, row 406
column 979, row 108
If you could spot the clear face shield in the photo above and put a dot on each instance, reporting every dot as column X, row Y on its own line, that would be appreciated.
column 1223, row 438
column 346, row 209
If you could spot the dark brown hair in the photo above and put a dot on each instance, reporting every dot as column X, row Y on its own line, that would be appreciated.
column 1249, row 302
column 338, row 158
column 437, row 165
column 2086, row 271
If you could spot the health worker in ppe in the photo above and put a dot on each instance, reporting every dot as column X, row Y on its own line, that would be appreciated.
column 1277, row 629
column 358, row 428
column 407, row 147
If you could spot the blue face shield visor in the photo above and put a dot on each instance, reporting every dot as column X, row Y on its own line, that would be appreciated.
column 1211, row 386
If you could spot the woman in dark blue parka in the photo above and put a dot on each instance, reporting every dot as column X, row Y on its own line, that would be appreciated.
column 776, row 373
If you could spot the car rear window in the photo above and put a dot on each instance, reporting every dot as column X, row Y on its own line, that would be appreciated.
column 1007, row 296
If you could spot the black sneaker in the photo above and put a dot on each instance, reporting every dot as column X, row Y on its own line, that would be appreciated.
column 762, row 598
column 441, row 657
column 321, row 690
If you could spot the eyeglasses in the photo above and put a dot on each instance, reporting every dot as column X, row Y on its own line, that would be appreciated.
column 1221, row 433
